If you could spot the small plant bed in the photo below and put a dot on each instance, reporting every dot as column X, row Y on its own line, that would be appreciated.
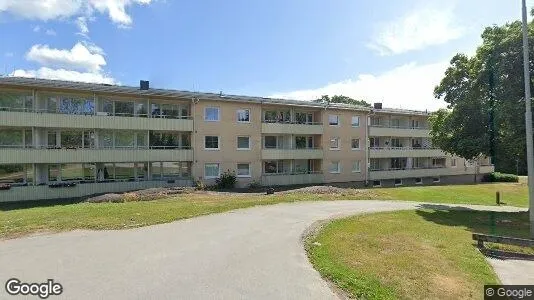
column 423, row 254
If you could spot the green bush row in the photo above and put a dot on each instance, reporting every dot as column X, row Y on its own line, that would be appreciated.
column 500, row 177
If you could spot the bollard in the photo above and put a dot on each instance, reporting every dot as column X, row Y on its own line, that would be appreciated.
column 498, row 198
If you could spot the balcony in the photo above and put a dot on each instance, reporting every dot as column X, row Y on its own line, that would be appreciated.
column 426, row 172
column 293, row 153
column 291, row 178
column 377, row 130
column 387, row 152
column 291, row 127
column 67, row 155
column 98, row 121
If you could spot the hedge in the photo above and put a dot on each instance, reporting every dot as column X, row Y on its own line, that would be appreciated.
column 500, row 177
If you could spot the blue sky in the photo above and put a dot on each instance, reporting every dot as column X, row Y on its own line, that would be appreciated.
column 389, row 51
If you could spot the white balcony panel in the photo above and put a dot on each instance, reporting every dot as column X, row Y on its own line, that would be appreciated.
column 18, row 156
column 26, row 119
column 404, row 152
column 274, row 180
column 292, row 154
column 282, row 128
column 392, row 174
column 398, row 132
column 43, row 192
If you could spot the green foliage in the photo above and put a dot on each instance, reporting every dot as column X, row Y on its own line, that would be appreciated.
column 500, row 177
column 254, row 185
column 485, row 97
column 227, row 180
column 341, row 99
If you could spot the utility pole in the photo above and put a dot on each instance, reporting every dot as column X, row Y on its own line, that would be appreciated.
column 528, row 119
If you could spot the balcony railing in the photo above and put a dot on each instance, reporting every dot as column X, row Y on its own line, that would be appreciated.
column 99, row 148
column 406, row 169
column 291, row 122
column 293, row 173
column 403, row 148
column 399, row 126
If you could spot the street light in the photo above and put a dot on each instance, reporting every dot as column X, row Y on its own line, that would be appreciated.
column 528, row 119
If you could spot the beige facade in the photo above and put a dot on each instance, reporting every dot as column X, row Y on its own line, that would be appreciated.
column 67, row 140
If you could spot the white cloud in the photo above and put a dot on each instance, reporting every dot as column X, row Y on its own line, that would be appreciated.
column 8, row 54
column 37, row 28
column 417, row 30
column 81, row 22
column 62, row 74
column 409, row 86
column 46, row 10
column 50, row 32
column 80, row 57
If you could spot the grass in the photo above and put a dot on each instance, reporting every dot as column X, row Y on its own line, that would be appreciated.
column 423, row 254
column 19, row 220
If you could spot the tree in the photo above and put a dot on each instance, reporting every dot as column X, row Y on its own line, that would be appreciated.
column 341, row 99
column 484, row 93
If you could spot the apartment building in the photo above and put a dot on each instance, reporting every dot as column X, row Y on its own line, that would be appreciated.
column 64, row 140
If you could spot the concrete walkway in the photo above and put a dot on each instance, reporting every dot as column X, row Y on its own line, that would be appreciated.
column 253, row 253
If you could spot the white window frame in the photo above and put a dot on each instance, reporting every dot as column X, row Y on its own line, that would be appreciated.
column 249, row 170
column 420, row 182
column 206, row 113
column 359, row 163
column 338, row 143
column 436, row 181
column 397, row 184
column 218, row 143
column 352, row 121
column 377, row 185
column 241, row 110
column 338, row 167
column 454, row 163
column 237, row 141
column 359, row 143
column 338, row 120
column 212, row 177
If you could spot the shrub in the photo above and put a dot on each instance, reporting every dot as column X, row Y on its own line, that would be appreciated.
column 227, row 180
column 199, row 185
column 254, row 185
column 500, row 177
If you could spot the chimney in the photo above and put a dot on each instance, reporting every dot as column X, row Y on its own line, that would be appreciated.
column 144, row 85
column 377, row 105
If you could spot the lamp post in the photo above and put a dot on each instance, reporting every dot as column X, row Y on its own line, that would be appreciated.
column 528, row 119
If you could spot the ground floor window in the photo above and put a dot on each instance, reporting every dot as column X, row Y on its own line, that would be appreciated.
column 211, row 170
column 419, row 180
column 335, row 167
column 398, row 182
column 16, row 173
column 436, row 179
column 243, row 170
column 377, row 183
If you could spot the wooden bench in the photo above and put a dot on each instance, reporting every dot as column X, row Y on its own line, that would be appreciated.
column 481, row 238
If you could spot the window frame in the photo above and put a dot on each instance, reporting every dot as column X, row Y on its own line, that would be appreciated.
column 420, row 180
column 352, row 121
column 395, row 182
column 359, row 144
column 218, row 168
column 206, row 113
column 241, row 110
column 359, row 163
column 237, row 140
column 379, row 183
column 454, row 163
column 338, row 171
column 436, row 181
column 218, row 143
column 249, row 170
column 337, row 118
column 338, row 143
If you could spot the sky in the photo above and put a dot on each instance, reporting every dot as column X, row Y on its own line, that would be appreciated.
column 394, row 52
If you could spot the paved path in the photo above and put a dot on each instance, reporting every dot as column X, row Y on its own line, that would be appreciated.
column 253, row 253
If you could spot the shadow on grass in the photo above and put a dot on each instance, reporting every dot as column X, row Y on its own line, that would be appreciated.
column 6, row 206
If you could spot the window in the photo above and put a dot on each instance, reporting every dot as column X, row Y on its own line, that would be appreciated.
column 435, row 179
column 300, row 142
column 377, row 183
column 398, row 182
column 334, row 143
column 418, row 180
column 374, row 142
column 375, row 121
column 124, row 109
column 356, row 166
column 335, row 167
column 395, row 123
column 243, row 143
column 374, row 164
column 355, row 121
column 438, row 162
column 415, row 124
column 333, row 120
column 211, row 171
column 270, row 142
column 453, row 162
column 275, row 167
column 211, row 114
column 355, row 144
column 243, row 115
column 243, row 170
column 211, row 142
column 303, row 118
column 395, row 142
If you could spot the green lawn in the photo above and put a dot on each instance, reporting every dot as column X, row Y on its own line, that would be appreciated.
column 423, row 254
column 17, row 221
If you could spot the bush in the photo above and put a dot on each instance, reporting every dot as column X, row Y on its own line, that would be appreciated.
column 254, row 185
column 227, row 180
column 500, row 177
column 199, row 185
